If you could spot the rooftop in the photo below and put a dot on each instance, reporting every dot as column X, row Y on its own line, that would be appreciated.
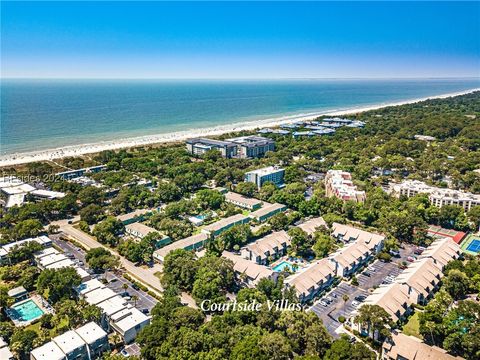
column 96, row 296
column 219, row 225
column 49, row 351
column 312, row 276
column 69, row 341
column 129, row 318
column 235, row 197
column 91, row 332
column 310, row 226
column 269, row 243
column 266, row 209
column 181, row 244
column 265, row 171
column 140, row 228
column 249, row 268
column 133, row 214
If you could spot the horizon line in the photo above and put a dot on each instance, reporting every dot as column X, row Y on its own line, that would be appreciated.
column 246, row 78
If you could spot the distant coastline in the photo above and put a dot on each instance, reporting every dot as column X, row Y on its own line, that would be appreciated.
column 89, row 148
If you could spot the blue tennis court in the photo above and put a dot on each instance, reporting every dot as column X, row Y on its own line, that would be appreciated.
column 474, row 246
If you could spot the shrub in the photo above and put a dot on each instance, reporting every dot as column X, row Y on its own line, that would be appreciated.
column 341, row 319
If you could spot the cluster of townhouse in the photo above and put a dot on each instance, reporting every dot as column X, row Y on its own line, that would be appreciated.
column 262, row 212
column 6, row 249
column 339, row 183
column 5, row 353
column 417, row 283
column 360, row 248
column 84, row 343
column 438, row 196
column 241, row 147
column 117, row 314
column 14, row 192
column 51, row 258
column 400, row 346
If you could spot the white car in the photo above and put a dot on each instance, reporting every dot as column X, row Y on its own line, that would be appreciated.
column 371, row 268
column 355, row 303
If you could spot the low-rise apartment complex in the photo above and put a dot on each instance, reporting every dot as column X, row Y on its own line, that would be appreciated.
column 339, row 183
column 268, row 248
column 248, row 272
column 243, row 201
column 14, row 191
column 438, row 196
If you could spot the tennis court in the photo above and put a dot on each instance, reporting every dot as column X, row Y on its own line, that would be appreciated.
column 471, row 245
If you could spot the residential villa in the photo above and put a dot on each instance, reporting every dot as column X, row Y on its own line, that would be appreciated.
column 260, row 176
column 312, row 225
column 85, row 343
column 351, row 258
column 51, row 258
column 313, row 280
column 442, row 251
column 267, row 211
column 268, row 248
column 405, row 347
column 339, row 183
column 243, row 201
column 347, row 233
column 438, row 196
column 422, row 278
column 193, row 242
column 221, row 225
column 248, row 272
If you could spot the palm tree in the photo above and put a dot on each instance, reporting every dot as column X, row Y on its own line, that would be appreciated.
column 345, row 298
column 125, row 286
column 135, row 299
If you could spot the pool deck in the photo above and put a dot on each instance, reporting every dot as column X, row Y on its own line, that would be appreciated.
column 40, row 302
column 300, row 264
column 469, row 239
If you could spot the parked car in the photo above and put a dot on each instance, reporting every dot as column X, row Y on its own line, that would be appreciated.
column 410, row 259
column 333, row 295
column 329, row 299
column 360, row 298
column 352, row 339
column 395, row 253
column 136, row 287
column 366, row 273
column 371, row 268
column 355, row 303
column 323, row 303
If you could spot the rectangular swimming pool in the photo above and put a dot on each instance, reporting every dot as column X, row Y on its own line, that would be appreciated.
column 25, row 311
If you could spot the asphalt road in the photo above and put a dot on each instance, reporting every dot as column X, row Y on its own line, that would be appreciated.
column 115, row 282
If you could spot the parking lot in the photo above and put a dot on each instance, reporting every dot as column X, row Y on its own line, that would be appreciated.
column 142, row 300
column 378, row 272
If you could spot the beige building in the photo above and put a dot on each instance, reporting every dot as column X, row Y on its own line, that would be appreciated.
column 442, row 251
column 312, row 225
column 404, row 347
column 247, row 271
column 272, row 246
column 313, row 280
column 243, row 201
column 339, row 183
column 438, row 196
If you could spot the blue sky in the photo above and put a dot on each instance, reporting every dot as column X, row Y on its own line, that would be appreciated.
column 240, row 40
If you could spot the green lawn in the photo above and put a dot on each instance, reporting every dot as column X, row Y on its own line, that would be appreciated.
column 412, row 326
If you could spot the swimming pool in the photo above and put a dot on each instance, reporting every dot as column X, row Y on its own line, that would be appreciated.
column 283, row 266
column 474, row 246
column 25, row 311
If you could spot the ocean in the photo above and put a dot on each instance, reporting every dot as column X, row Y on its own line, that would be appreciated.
column 45, row 114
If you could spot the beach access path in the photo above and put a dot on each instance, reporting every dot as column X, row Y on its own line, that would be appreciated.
column 146, row 276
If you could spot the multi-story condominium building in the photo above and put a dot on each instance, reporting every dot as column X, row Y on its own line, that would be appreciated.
column 313, row 280
column 442, row 251
column 243, row 201
column 260, row 176
column 88, row 342
column 252, row 146
column 405, row 347
column 248, row 272
column 242, row 147
column 339, row 183
column 200, row 146
column 139, row 230
column 438, row 196
column 269, row 247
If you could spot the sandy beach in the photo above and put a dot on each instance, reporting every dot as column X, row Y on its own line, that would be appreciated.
column 51, row 154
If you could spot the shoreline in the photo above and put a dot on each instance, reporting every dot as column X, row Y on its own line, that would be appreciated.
column 89, row 148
